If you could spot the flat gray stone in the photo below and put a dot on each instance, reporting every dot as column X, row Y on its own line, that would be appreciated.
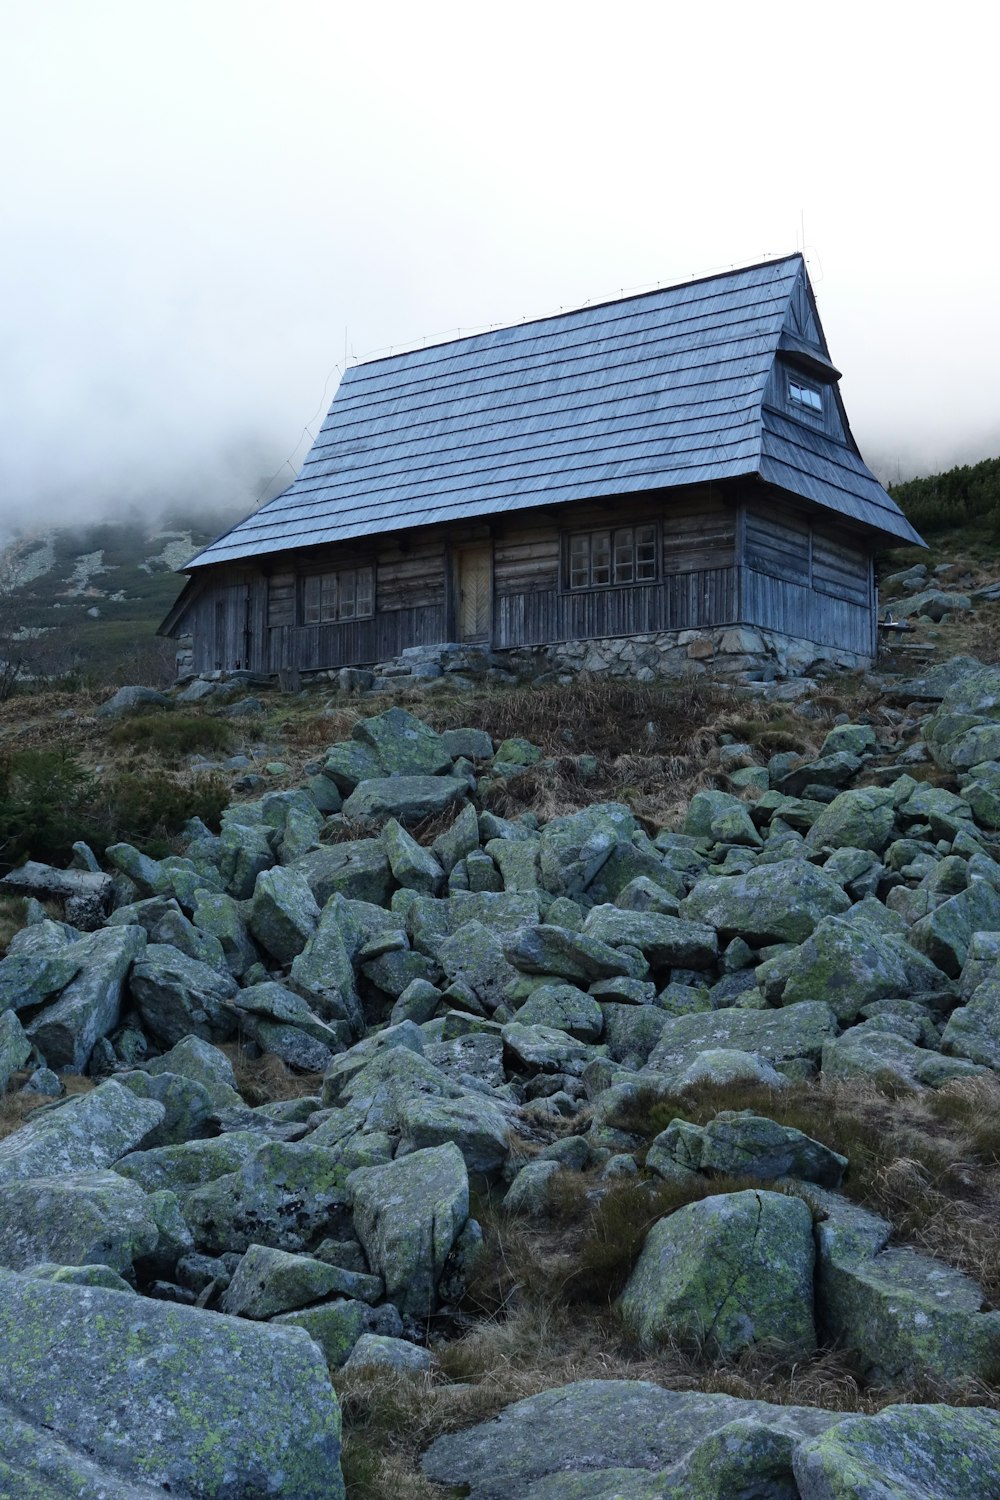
column 209, row 1407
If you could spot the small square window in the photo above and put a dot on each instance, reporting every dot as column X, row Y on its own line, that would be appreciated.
column 810, row 397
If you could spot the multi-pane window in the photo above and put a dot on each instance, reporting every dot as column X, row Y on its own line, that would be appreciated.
column 800, row 393
column 598, row 559
column 345, row 595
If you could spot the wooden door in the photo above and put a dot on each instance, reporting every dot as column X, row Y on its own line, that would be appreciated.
column 475, row 568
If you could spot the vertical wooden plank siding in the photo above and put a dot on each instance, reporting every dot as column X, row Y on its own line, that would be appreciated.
column 721, row 561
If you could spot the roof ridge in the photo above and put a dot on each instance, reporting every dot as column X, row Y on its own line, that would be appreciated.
column 567, row 312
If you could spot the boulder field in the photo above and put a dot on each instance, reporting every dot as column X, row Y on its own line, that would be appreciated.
column 180, row 1269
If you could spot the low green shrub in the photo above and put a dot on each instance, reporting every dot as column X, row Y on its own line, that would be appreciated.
column 151, row 809
column 172, row 735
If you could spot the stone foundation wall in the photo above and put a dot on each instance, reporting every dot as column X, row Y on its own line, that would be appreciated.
column 735, row 653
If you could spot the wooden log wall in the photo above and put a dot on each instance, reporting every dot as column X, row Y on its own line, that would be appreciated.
column 720, row 563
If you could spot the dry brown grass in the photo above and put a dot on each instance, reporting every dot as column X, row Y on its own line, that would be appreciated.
column 927, row 1162
column 16, row 1107
column 266, row 1079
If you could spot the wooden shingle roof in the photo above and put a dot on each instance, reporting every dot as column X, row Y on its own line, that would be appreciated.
column 645, row 393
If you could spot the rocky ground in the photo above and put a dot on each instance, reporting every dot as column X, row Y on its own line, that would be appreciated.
column 563, row 1148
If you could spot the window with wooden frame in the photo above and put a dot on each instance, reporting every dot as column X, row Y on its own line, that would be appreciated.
column 347, row 594
column 619, row 555
column 806, row 396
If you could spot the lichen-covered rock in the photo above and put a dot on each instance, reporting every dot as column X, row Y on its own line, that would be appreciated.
column 91, row 1218
column 269, row 1281
column 413, row 867
column 720, row 818
column 245, row 852
column 742, row 1144
column 83, row 1134
column 287, row 1195
column 324, row 971
column 574, row 848
column 474, row 1123
column 624, row 1438
column 867, row 1051
column 41, row 961
column 910, row 1320
column 187, row 1105
column 664, row 939
column 864, row 818
column 725, row 1273
column 177, row 996
column 474, row 955
column 336, row 1326
column 904, row 1453
column 181, row 1168
column 729, row 1065
column 946, row 932
column 66, row 1031
column 405, row 798
column 566, row 1008
column 167, row 1396
column 847, row 966
column 221, row 916
column 965, row 730
column 973, row 1030
column 284, row 913
column 15, row 1047
column 358, row 869
column 543, row 1049
column 776, row 903
column 408, row 1216
column 403, row 744
column 770, row 1035
column 194, row 1058
column 568, row 955
column 394, row 1354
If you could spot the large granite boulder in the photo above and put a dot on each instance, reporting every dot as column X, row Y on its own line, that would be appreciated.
column 795, row 1031
column 66, row 1031
column 283, row 913
column 726, row 1273
column 906, row 1453
column 162, row 1397
column 406, row 799
column 177, row 996
column 85, row 1133
column 402, row 744
column 776, row 903
column 85, row 1218
column 607, row 1439
column 408, row 1216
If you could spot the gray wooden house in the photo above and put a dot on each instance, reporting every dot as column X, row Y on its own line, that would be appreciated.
column 669, row 463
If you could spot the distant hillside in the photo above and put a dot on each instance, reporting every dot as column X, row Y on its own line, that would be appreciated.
column 964, row 496
column 87, row 600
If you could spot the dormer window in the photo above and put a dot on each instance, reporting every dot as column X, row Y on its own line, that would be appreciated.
column 808, row 397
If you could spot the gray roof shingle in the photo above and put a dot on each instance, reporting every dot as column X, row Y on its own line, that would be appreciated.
column 645, row 393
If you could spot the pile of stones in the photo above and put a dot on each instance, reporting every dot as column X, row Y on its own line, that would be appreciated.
column 180, row 1270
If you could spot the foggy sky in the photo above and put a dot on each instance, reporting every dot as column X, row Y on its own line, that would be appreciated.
column 205, row 203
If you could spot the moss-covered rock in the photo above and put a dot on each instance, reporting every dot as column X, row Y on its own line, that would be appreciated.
column 408, row 1216
column 169, row 1396
column 777, row 903
column 87, row 1218
column 906, row 1453
column 725, row 1273
column 82, row 1134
